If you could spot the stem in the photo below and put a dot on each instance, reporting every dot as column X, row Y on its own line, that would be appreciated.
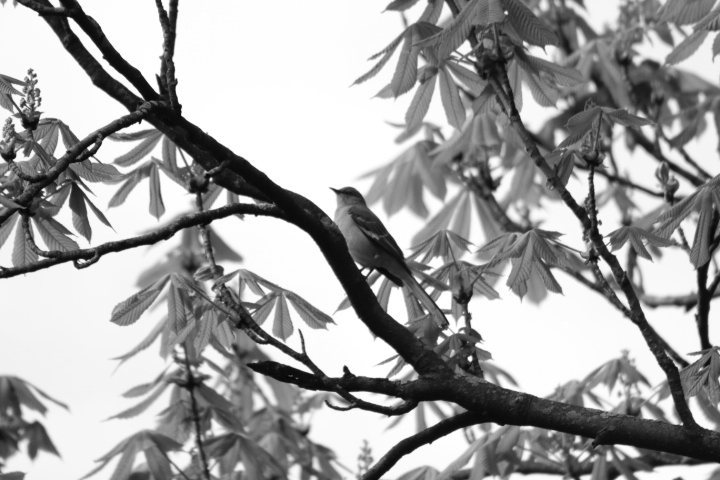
column 190, row 387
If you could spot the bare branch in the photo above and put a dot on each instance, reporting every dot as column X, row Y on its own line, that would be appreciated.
column 94, row 253
column 412, row 443
column 504, row 406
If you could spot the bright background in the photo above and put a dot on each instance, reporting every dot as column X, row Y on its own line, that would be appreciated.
column 271, row 81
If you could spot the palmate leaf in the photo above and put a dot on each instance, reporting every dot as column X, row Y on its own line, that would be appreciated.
column 583, row 123
column 609, row 373
column 420, row 103
column 128, row 450
column 489, row 12
column 563, row 76
column 400, row 5
column 685, row 12
column 468, row 77
column 543, row 93
column 451, row 101
column 686, row 48
column 54, row 234
column 143, row 405
column 22, row 253
column 706, row 200
column 455, row 34
column 157, row 206
column 636, row 235
column 6, row 228
column 529, row 27
column 445, row 244
column 701, row 376
column 530, row 254
column 128, row 311
column 141, row 150
column 386, row 53
column 400, row 183
column 133, row 179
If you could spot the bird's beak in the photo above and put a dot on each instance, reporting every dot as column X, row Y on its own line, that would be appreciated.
column 334, row 190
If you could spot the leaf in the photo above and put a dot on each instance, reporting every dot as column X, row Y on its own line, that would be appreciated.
column 54, row 234
column 420, row 103
column 157, row 207
column 6, row 228
column 97, row 172
column 386, row 53
column 140, row 151
column 580, row 125
column 176, row 300
column 313, row 317
column 128, row 311
column 282, row 324
column 527, row 25
column 543, row 93
column 134, row 136
column 441, row 220
column 636, row 235
column 142, row 406
column 12, row 476
column 563, row 76
column 158, row 464
column 686, row 48
column 469, row 78
column 22, row 253
column 145, row 343
column 79, row 212
column 489, row 12
column 122, row 193
column 401, row 5
column 450, row 96
column 405, row 74
column 622, row 117
column 455, row 34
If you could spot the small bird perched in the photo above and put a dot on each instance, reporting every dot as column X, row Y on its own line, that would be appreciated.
column 372, row 246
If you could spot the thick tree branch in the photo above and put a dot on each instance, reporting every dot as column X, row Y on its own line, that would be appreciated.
column 94, row 253
column 412, row 443
column 508, row 407
column 532, row 467
column 110, row 54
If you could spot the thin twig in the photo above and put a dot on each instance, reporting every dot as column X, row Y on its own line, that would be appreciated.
column 187, row 221
column 412, row 443
column 190, row 385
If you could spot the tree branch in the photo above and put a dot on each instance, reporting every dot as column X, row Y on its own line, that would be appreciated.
column 77, row 153
column 508, row 407
column 94, row 253
column 412, row 443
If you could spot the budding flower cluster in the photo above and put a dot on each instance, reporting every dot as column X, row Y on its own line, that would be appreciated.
column 667, row 181
column 7, row 145
column 31, row 102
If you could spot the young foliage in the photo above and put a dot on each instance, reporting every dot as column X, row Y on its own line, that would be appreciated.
column 530, row 254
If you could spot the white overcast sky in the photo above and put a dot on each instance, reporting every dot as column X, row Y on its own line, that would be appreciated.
column 270, row 80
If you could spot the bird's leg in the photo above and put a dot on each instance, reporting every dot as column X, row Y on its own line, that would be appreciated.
column 370, row 271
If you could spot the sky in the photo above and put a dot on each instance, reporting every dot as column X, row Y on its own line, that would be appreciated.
column 272, row 81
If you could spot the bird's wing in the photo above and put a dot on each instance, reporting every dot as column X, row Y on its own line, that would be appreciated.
column 373, row 228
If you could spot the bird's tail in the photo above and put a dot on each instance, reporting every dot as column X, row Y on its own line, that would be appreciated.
column 425, row 299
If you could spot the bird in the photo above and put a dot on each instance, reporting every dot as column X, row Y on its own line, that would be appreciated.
column 372, row 246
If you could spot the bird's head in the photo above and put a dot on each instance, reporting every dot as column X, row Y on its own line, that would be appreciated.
column 348, row 196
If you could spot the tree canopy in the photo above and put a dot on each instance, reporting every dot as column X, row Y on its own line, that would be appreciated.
column 612, row 189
